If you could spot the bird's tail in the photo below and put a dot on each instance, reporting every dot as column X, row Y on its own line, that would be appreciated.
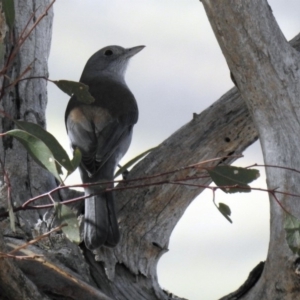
column 100, row 225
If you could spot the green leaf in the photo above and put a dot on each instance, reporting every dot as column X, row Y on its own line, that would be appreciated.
column 9, row 12
column 233, row 176
column 65, row 215
column 292, row 232
column 80, row 90
column 37, row 149
column 225, row 211
column 132, row 162
column 76, row 160
column 59, row 153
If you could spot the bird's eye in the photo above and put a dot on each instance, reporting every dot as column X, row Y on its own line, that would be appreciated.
column 108, row 53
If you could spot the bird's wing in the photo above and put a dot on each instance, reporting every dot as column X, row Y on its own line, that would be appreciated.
column 96, row 134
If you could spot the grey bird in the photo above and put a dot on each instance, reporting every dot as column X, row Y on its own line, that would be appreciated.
column 102, row 131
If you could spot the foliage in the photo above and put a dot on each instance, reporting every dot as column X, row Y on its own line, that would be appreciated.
column 65, row 215
column 292, row 231
column 9, row 12
column 233, row 179
column 133, row 161
column 44, row 148
column 80, row 90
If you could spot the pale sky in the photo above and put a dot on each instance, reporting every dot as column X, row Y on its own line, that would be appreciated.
column 181, row 71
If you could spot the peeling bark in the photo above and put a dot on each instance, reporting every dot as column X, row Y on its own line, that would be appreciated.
column 26, row 101
column 267, row 71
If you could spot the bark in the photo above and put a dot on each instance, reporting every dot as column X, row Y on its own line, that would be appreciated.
column 11, row 279
column 53, row 275
column 26, row 101
column 266, row 69
column 149, row 214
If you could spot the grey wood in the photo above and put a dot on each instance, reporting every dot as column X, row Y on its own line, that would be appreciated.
column 266, row 69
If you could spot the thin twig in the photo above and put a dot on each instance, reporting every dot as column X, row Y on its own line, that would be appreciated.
column 29, row 78
column 18, row 257
column 37, row 239
column 274, row 166
column 22, row 38
column 16, row 81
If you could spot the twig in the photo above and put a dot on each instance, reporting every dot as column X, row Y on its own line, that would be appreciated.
column 29, row 78
column 37, row 239
column 180, row 181
column 18, row 257
column 20, row 77
column 273, row 166
column 23, row 37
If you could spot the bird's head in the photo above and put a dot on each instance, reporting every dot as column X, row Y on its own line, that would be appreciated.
column 110, row 61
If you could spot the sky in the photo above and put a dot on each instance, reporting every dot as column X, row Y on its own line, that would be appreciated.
column 180, row 72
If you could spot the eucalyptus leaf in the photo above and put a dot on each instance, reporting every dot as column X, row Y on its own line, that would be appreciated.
column 292, row 232
column 59, row 153
column 80, row 90
column 37, row 149
column 76, row 160
column 65, row 215
column 132, row 162
column 233, row 179
column 225, row 211
column 9, row 12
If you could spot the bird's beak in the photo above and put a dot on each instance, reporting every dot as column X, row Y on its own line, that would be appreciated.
column 133, row 51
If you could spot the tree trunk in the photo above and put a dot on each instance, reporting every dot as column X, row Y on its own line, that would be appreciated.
column 26, row 101
column 19, row 174
column 266, row 69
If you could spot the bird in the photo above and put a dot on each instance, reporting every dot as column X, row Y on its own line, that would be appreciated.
column 102, row 131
